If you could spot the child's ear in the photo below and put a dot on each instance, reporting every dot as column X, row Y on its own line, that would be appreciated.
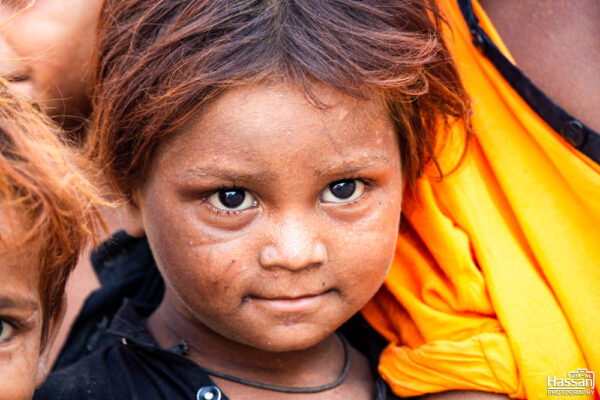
column 55, row 322
column 129, row 216
column 131, row 220
column 133, row 216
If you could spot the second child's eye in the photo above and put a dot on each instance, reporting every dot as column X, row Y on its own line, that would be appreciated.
column 343, row 191
column 7, row 331
column 232, row 199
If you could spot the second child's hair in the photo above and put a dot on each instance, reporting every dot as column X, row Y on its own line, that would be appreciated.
column 47, row 203
column 158, row 63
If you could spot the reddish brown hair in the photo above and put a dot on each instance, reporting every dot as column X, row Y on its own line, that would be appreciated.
column 158, row 63
column 46, row 196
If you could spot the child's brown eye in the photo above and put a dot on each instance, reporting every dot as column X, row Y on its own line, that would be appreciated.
column 232, row 199
column 343, row 191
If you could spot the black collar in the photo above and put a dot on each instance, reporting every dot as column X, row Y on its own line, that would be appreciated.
column 129, row 323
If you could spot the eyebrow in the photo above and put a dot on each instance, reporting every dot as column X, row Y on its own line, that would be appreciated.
column 365, row 162
column 17, row 303
column 224, row 173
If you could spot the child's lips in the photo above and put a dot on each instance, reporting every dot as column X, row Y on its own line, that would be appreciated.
column 291, row 304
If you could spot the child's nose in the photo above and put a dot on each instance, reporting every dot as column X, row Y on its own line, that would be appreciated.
column 294, row 246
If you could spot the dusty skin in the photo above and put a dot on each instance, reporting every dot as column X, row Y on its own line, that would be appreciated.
column 262, row 286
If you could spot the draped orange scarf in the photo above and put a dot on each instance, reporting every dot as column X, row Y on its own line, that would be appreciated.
column 495, row 285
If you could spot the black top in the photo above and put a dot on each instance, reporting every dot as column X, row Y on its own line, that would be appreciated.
column 126, row 269
column 126, row 362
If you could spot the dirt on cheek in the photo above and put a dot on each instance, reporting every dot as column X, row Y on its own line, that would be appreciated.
column 226, row 272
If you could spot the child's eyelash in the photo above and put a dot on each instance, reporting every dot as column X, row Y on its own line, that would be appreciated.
column 217, row 211
column 366, row 181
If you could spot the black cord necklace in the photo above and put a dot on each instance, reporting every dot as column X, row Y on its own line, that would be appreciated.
column 287, row 389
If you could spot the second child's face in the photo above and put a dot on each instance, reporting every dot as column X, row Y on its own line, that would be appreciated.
column 271, row 220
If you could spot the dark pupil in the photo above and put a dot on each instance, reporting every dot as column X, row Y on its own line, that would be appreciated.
column 342, row 189
column 232, row 198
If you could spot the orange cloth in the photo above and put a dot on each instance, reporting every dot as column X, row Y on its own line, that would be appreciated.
column 496, row 282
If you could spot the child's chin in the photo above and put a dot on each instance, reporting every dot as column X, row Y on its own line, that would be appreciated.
column 292, row 338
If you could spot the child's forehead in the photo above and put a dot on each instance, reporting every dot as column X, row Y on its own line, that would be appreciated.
column 253, row 122
column 280, row 96
column 18, row 260
column 14, row 231
column 284, row 110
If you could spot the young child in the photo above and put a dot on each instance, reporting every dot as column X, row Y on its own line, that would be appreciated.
column 46, row 218
column 265, row 146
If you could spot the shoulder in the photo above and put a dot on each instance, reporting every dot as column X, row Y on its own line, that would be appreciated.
column 87, row 379
column 61, row 385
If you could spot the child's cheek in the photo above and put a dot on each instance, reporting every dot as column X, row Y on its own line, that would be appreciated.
column 204, row 270
column 368, row 250
column 367, row 266
column 18, row 367
column 225, row 273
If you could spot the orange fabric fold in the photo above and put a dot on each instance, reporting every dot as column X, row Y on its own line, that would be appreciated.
column 495, row 282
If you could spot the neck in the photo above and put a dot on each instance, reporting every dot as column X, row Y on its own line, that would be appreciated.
column 314, row 366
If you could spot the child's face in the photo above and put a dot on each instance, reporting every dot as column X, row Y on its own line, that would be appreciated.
column 21, row 367
column 273, row 221
column 45, row 50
